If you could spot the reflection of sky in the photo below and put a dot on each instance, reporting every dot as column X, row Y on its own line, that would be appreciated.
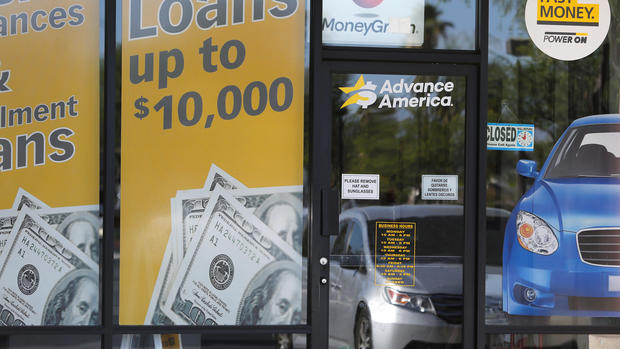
column 461, row 13
column 119, row 6
column 504, row 25
column 101, row 26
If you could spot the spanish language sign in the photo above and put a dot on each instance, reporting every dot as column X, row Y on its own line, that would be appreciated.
column 373, row 22
column 440, row 187
column 212, row 162
column 514, row 137
column 567, row 29
column 49, row 163
column 395, row 253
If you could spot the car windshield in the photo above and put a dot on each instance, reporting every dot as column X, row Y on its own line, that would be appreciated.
column 587, row 151
column 436, row 236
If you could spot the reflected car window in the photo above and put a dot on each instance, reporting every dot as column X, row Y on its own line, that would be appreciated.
column 339, row 244
column 356, row 244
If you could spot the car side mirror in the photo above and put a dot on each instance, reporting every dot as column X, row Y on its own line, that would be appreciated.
column 352, row 262
column 527, row 168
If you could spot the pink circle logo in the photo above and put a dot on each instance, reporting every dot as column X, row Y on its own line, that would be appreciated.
column 368, row 3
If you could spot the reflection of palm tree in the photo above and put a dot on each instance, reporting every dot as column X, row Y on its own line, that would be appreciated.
column 434, row 27
column 545, row 92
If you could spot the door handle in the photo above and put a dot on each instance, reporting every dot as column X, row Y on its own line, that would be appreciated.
column 329, row 212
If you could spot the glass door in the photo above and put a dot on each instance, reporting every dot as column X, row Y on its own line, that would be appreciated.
column 399, row 166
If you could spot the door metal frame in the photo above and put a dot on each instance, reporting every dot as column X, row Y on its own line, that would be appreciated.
column 321, row 174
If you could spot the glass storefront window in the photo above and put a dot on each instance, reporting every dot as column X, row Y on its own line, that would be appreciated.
column 551, row 252
column 212, row 163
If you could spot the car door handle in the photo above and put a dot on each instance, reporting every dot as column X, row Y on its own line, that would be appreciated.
column 336, row 286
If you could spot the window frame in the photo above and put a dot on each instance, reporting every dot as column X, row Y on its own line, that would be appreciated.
column 323, row 61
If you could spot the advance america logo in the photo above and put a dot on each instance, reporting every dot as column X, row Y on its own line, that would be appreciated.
column 401, row 94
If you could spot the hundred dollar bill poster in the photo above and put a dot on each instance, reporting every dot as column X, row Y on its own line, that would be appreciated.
column 50, row 227
column 212, row 162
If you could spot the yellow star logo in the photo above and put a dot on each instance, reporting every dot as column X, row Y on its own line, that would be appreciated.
column 359, row 85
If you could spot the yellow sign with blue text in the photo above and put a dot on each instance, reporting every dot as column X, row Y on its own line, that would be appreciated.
column 49, row 101
column 211, row 90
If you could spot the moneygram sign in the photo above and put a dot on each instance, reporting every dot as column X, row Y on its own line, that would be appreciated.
column 206, row 84
column 567, row 29
column 398, row 93
column 373, row 22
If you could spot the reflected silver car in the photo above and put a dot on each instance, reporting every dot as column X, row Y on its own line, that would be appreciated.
column 363, row 315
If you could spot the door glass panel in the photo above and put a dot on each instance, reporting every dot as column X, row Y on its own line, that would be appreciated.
column 398, row 163
column 356, row 245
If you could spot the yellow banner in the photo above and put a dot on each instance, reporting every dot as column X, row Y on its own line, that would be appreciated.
column 204, row 83
column 567, row 12
column 49, row 101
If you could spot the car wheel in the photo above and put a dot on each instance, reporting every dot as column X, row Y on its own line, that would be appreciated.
column 285, row 341
column 363, row 331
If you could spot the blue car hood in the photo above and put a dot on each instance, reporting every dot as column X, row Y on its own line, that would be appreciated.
column 573, row 204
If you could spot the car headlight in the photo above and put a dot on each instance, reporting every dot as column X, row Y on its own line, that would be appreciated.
column 535, row 235
column 415, row 302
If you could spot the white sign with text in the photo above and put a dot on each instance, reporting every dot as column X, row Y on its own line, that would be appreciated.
column 360, row 186
column 397, row 23
column 440, row 187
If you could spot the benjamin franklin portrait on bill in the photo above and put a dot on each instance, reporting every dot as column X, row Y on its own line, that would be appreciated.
column 82, row 229
column 74, row 300
column 283, row 213
column 273, row 297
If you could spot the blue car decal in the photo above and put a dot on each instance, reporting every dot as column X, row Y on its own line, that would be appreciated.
column 561, row 253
